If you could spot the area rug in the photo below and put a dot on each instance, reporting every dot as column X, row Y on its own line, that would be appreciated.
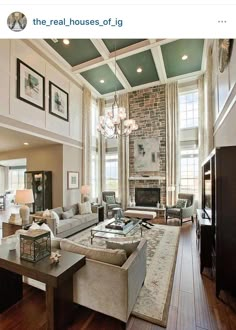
column 154, row 298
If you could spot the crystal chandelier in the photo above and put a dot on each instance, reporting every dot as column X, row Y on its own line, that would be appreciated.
column 114, row 123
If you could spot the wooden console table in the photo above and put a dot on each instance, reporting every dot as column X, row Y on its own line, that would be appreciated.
column 58, row 280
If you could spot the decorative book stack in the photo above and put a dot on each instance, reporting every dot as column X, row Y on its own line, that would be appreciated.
column 15, row 219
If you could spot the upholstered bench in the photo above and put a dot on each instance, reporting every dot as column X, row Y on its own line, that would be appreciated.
column 140, row 214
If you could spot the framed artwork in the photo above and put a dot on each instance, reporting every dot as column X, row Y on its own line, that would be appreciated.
column 147, row 155
column 72, row 180
column 58, row 102
column 30, row 85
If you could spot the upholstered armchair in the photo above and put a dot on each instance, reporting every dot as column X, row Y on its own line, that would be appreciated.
column 109, row 201
column 181, row 211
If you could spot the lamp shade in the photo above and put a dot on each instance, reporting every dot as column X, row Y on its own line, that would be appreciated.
column 85, row 189
column 24, row 196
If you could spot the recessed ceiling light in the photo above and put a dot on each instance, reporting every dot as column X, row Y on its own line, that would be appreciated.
column 102, row 81
column 66, row 41
column 139, row 69
column 26, row 143
column 184, row 57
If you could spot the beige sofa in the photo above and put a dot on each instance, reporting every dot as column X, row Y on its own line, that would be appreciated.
column 68, row 227
column 107, row 288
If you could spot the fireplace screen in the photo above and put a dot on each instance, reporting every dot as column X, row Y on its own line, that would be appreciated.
column 147, row 196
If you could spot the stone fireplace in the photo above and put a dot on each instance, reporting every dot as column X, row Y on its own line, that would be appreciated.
column 148, row 108
column 147, row 196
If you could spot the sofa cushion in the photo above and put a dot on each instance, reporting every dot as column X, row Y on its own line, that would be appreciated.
column 127, row 243
column 74, row 208
column 85, row 208
column 59, row 211
column 68, row 214
column 114, row 257
column 64, row 225
column 82, row 218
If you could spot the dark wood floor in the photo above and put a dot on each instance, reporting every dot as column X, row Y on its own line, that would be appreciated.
column 193, row 303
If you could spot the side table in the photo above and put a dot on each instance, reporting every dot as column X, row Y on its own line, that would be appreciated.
column 9, row 228
column 100, row 211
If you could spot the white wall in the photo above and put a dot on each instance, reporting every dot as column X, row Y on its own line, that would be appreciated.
column 12, row 107
column 72, row 161
column 224, row 97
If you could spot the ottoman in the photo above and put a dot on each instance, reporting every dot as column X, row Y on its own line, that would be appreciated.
column 144, row 215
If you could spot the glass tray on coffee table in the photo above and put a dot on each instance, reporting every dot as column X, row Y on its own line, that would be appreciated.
column 102, row 231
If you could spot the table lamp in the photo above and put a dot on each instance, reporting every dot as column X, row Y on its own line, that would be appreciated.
column 85, row 190
column 24, row 196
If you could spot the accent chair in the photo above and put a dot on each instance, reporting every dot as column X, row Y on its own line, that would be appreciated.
column 181, row 211
column 109, row 201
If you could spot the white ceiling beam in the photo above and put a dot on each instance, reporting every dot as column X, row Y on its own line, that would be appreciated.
column 101, row 48
column 122, row 53
column 186, row 77
column 159, row 63
column 119, row 75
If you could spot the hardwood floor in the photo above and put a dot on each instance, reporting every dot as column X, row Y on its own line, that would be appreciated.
column 193, row 302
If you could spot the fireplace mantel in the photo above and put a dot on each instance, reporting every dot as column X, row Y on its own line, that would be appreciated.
column 144, row 178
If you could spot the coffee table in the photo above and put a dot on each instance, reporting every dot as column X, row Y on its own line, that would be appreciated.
column 103, row 232
column 58, row 280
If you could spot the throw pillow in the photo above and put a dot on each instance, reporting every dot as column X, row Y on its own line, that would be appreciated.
column 181, row 203
column 47, row 228
column 85, row 208
column 55, row 216
column 74, row 208
column 129, row 245
column 110, row 199
column 68, row 214
column 114, row 257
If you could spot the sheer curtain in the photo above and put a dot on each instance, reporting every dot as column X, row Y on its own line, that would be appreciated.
column 101, row 152
column 123, row 157
column 172, row 143
column 87, row 104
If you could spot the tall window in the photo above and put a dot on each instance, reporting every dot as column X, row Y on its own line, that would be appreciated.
column 16, row 177
column 188, row 109
column 111, row 175
column 189, row 171
column 94, row 151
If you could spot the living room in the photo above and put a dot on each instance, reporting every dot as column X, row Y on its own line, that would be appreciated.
column 183, row 107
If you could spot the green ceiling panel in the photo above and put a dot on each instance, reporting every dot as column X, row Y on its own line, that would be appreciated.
column 144, row 60
column 173, row 52
column 114, row 44
column 111, row 83
column 77, row 52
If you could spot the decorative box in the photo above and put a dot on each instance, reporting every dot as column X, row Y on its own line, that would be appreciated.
column 35, row 245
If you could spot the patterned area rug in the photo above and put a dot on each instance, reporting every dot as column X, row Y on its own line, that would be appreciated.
column 154, row 298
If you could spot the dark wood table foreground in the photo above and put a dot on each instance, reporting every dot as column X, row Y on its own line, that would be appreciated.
column 57, row 277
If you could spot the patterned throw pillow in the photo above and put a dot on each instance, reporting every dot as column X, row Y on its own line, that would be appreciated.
column 110, row 199
column 129, row 245
column 181, row 203
column 85, row 208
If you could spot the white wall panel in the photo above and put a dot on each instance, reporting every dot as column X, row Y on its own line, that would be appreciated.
column 19, row 109
column 4, row 74
column 75, row 112
column 232, row 66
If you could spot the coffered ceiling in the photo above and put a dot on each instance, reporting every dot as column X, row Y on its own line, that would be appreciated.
column 106, row 65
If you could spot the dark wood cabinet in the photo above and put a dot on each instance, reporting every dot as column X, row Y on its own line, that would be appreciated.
column 219, row 206
column 41, row 184
column 204, row 236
